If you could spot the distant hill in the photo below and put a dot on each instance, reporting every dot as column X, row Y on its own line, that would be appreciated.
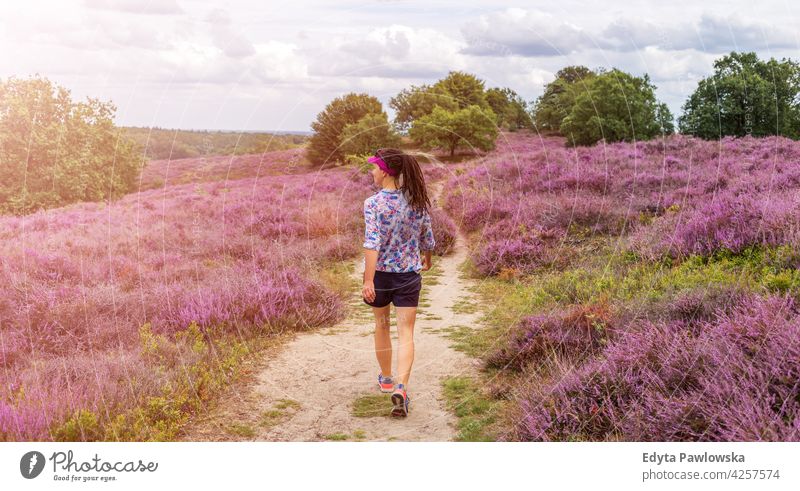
column 160, row 143
column 167, row 172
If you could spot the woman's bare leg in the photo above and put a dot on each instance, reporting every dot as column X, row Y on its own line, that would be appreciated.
column 383, row 341
column 406, row 317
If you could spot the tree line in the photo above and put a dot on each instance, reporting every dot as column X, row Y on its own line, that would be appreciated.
column 743, row 96
column 456, row 112
column 55, row 151
column 164, row 143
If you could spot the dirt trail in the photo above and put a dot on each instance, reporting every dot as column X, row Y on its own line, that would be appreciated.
column 305, row 391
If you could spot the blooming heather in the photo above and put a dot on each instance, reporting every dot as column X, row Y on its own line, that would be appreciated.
column 734, row 381
column 674, row 196
column 686, row 237
column 238, row 255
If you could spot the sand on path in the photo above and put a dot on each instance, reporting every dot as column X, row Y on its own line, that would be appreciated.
column 304, row 390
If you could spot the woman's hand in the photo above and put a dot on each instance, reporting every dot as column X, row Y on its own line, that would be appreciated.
column 426, row 262
column 368, row 291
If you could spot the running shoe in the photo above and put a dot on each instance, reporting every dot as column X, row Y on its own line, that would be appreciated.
column 401, row 401
column 386, row 384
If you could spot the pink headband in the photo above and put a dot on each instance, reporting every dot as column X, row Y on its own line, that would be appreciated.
column 380, row 163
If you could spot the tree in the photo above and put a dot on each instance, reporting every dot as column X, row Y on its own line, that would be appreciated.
column 574, row 73
column 367, row 134
column 510, row 108
column 550, row 109
column 456, row 91
column 418, row 101
column 745, row 96
column 616, row 106
column 471, row 127
column 54, row 151
column 665, row 119
column 465, row 88
column 325, row 144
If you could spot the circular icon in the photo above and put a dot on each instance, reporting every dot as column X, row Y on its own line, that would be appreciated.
column 31, row 464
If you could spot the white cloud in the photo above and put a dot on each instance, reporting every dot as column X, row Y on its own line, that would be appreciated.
column 535, row 33
column 227, row 36
column 719, row 33
column 272, row 65
column 711, row 32
column 276, row 61
column 674, row 65
column 517, row 31
column 395, row 51
column 159, row 7
column 531, row 78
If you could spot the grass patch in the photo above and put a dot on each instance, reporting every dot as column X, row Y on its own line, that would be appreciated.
column 476, row 412
column 609, row 275
column 241, row 429
column 271, row 417
column 287, row 403
column 431, row 277
column 338, row 276
column 464, row 306
column 372, row 405
column 337, row 437
column 279, row 412
column 474, row 342
column 333, row 331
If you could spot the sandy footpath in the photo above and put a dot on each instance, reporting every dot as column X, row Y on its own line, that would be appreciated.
column 304, row 391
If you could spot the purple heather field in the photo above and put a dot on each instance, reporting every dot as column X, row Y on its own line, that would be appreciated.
column 662, row 279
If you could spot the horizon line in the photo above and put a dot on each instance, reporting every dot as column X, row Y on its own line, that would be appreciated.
column 289, row 132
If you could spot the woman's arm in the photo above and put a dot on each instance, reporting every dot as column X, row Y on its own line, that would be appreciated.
column 372, row 244
column 426, row 240
column 426, row 261
column 371, row 259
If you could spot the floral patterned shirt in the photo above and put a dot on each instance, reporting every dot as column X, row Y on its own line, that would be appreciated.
column 396, row 231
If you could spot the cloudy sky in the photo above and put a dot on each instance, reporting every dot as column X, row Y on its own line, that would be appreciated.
column 273, row 65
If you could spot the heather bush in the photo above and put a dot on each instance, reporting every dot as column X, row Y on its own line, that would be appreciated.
column 444, row 232
column 727, row 222
column 477, row 213
column 735, row 379
column 282, row 298
column 517, row 255
column 517, row 243
column 237, row 256
column 691, row 306
column 671, row 197
column 573, row 334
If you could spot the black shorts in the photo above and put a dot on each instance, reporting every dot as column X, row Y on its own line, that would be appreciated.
column 401, row 289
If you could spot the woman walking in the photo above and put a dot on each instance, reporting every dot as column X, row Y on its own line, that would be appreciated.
column 398, row 231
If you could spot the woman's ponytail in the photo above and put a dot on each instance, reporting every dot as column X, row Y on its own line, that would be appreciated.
column 412, row 179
